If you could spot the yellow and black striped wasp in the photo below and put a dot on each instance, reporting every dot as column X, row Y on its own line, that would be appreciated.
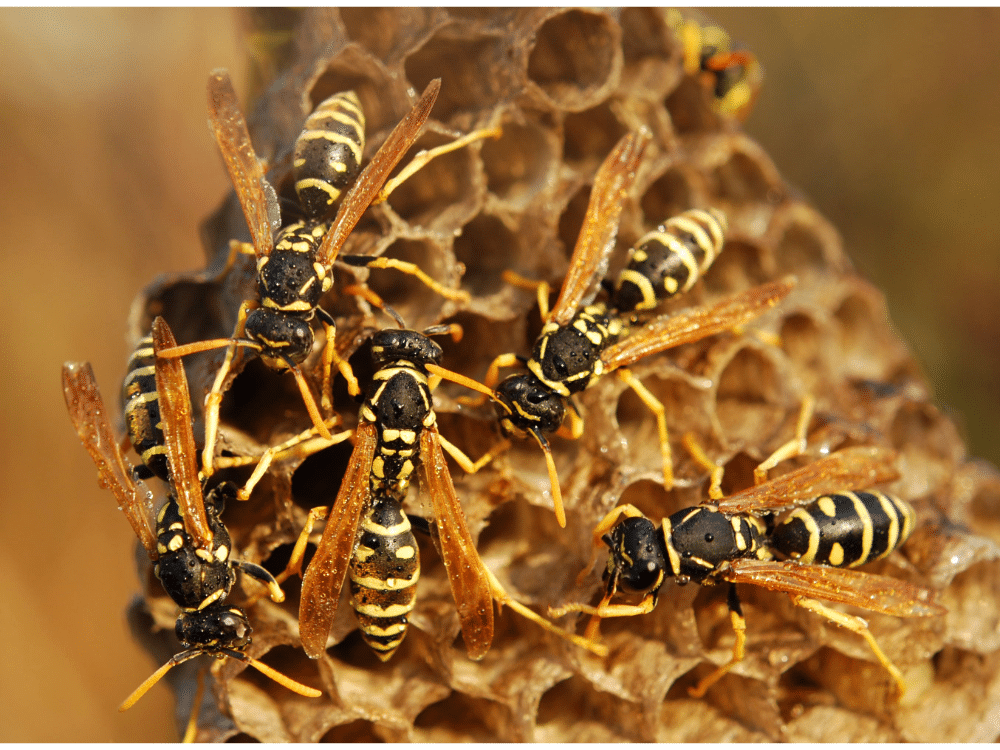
column 731, row 73
column 190, row 547
column 578, row 345
column 294, row 269
column 367, row 532
column 830, row 531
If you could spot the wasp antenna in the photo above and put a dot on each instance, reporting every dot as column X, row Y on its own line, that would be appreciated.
column 203, row 346
column 155, row 678
column 283, row 680
column 557, row 500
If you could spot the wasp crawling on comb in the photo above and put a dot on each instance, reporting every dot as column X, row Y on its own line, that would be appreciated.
column 294, row 269
column 578, row 345
column 190, row 547
column 735, row 539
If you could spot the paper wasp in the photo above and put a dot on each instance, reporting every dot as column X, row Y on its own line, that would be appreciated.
column 577, row 346
column 190, row 547
column 294, row 268
column 735, row 539
column 733, row 75
column 368, row 534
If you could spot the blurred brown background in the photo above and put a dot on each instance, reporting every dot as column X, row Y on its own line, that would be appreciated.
column 887, row 119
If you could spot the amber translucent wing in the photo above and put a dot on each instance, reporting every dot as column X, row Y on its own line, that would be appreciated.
column 695, row 324
column 470, row 583
column 373, row 177
column 245, row 171
column 850, row 469
column 597, row 236
column 327, row 570
column 859, row 589
column 90, row 418
column 175, row 411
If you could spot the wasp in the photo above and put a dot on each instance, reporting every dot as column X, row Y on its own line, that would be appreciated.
column 579, row 345
column 294, row 268
column 732, row 74
column 735, row 539
column 369, row 536
column 190, row 547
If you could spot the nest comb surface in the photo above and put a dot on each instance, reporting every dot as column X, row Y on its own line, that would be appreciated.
column 565, row 85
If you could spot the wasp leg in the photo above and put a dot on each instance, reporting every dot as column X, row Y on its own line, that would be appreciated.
column 656, row 406
column 213, row 400
column 794, row 447
column 330, row 358
column 739, row 647
column 468, row 465
column 294, row 566
column 303, row 445
column 573, row 430
column 191, row 732
column 419, row 161
column 360, row 290
column 457, row 295
column 604, row 609
column 541, row 288
column 857, row 625
column 503, row 598
column 716, row 471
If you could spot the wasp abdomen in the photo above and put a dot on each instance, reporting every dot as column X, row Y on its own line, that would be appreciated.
column 670, row 259
column 328, row 152
column 142, row 413
column 384, row 572
column 845, row 529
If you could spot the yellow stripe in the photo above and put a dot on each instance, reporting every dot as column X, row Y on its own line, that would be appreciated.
column 392, row 610
column 868, row 526
column 810, row 523
column 329, row 135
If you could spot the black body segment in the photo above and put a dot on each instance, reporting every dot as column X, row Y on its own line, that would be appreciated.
column 141, row 405
column 844, row 529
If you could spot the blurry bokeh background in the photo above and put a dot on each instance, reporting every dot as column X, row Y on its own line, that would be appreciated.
column 887, row 119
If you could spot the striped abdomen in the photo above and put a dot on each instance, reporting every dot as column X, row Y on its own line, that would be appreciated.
column 328, row 152
column 384, row 572
column 670, row 259
column 844, row 530
column 141, row 404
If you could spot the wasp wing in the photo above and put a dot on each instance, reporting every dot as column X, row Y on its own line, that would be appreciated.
column 470, row 582
column 255, row 194
column 600, row 224
column 373, row 177
column 695, row 324
column 175, row 411
column 90, row 418
column 875, row 593
column 849, row 469
column 325, row 575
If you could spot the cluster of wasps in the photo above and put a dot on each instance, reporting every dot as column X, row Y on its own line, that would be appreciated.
column 802, row 533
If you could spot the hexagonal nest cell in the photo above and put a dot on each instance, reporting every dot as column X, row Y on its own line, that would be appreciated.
column 564, row 85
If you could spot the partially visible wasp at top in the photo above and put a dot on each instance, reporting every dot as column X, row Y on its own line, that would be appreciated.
column 294, row 268
column 577, row 345
column 731, row 73
column 189, row 546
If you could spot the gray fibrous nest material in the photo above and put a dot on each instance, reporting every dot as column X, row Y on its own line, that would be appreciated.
column 565, row 85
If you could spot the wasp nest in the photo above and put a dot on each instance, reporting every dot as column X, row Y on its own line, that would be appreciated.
column 565, row 85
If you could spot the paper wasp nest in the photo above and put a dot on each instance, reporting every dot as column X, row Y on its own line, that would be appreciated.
column 565, row 85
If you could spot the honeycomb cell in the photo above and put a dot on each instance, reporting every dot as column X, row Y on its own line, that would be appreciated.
column 486, row 247
column 590, row 136
column 749, row 397
column 668, row 195
column 647, row 47
column 473, row 73
column 357, row 71
column 447, row 191
column 861, row 335
column 742, row 179
column 803, row 341
column 388, row 33
column 576, row 58
column 521, row 163
column 358, row 730
column 739, row 266
column 806, row 244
